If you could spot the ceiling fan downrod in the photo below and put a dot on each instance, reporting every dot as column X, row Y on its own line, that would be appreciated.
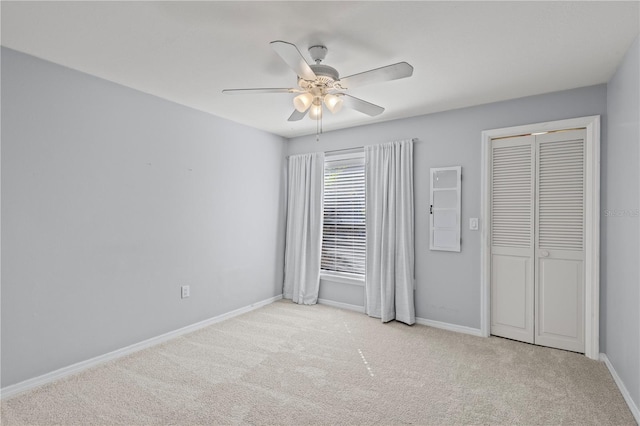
column 318, row 53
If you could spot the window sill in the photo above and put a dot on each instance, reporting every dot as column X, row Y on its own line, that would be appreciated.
column 342, row 278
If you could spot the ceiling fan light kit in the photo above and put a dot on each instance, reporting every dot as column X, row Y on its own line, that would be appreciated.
column 315, row 112
column 303, row 102
column 320, row 84
column 333, row 102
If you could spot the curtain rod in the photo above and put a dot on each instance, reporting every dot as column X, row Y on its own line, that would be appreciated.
column 355, row 148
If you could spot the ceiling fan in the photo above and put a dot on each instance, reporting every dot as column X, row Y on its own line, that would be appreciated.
column 320, row 84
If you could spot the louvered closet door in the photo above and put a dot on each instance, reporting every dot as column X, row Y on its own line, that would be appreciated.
column 559, row 267
column 512, row 237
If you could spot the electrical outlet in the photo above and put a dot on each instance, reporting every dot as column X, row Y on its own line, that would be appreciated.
column 473, row 223
column 185, row 291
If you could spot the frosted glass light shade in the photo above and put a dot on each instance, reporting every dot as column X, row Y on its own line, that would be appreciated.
column 315, row 113
column 333, row 102
column 303, row 102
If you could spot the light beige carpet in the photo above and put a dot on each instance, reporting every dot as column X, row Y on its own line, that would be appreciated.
column 298, row 365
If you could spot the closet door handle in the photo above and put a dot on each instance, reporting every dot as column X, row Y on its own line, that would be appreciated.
column 544, row 253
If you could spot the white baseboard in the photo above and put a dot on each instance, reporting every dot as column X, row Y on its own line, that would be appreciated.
column 623, row 389
column 341, row 305
column 450, row 327
column 29, row 384
column 422, row 321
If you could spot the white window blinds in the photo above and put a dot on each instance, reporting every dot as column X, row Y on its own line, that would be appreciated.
column 343, row 231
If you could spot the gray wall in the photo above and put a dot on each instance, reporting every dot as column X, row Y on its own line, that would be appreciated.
column 620, row 245
column 448, row 284
column 351, row 294
column 112, row 199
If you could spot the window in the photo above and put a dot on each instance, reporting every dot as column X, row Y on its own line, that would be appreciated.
column 343, row 231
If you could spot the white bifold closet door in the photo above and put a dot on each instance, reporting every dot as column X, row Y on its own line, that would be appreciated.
column 537, row 239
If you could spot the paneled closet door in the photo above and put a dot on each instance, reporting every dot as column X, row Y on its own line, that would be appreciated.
column 512, row 237
column 559, row 261
column 537, row 239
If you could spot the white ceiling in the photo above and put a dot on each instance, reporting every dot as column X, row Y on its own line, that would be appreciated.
column 463, row 53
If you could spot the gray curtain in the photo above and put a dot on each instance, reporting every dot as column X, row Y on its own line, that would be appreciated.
column 305, row 185
column 389, row 271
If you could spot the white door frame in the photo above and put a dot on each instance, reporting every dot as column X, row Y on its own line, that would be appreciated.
column 592, row 222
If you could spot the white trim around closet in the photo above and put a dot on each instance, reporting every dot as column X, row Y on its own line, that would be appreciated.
column 592, row 221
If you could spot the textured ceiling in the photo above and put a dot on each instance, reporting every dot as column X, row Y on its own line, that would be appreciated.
column 463, row 53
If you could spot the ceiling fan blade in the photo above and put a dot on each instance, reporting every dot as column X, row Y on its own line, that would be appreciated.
column 390, row 72
column 362, row 106
column 292, row 56
column 254, row 91
column 297, row 115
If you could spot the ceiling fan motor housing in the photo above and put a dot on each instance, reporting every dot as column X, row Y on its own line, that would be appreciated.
column 326, row 76
column 325, row 72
